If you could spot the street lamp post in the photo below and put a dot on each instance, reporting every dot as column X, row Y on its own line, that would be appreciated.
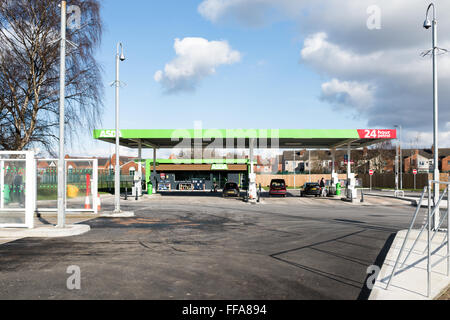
column 62, row 96
column 401, row 156
column 396, row 169
column 433, row 25
column 119, row 57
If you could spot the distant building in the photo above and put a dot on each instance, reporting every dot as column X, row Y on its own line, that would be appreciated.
column 128, row 166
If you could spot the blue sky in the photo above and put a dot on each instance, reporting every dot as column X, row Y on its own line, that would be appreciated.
column 275, row 84
column 268, row 88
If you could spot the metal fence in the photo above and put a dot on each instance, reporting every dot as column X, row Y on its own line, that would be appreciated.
column 431, row 214
column 106, row 181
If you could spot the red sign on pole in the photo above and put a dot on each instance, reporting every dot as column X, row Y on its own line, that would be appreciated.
column 415, row 171
column 371, row 172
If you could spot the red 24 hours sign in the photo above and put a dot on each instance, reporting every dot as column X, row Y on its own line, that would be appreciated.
column 377, row 134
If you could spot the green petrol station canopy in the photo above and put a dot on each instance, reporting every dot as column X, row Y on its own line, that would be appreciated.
column 240, row 138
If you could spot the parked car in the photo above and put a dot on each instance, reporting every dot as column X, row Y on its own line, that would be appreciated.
column 231, row 189
column 311, row 189
column 278, row 188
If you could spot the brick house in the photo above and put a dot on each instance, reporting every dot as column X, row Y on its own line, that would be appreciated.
column 444, row 160
column 266, row 166
column 420, row 159
column 302, row 162
column 321, row 161
column 423, row 159
column 130, row 168
column 127, row 164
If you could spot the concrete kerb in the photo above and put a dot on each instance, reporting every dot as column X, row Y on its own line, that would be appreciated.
column 412, row 201
column 45, row 232
column 112, row 214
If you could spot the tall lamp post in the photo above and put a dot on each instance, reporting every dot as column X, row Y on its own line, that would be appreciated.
column 119, row 57
column 433, row 25
column 401, row 156
column 62, row 96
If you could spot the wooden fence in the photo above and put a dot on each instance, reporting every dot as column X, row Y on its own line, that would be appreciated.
column 387, row 180
column 383, row 180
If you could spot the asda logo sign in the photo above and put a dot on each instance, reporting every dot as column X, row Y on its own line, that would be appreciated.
column 219, row 167
column 109, row 134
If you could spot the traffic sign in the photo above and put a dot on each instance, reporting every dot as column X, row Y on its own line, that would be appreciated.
column 415, row 171
column 371, row 172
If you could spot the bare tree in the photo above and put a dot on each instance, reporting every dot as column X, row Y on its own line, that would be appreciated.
column 382, row 155
column 29, row 72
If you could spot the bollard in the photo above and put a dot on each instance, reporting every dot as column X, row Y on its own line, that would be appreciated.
column 126, row 193
column 362, row 195
column 137, row 191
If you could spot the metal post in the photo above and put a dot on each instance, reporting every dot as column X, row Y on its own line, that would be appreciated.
column 140, row 166
column 406, row 239
column 448, row 230
column 435, row 119
column 252, row 185
column 117, row 132
column 137, row 197
column 396, row 169
column 401, row 159
column 333, row 156
column 62, row 95
column 349, row 166
column 428, row 242
column 370, row 182
column 95, row 195
column 436, row 176
column 154, row 170
column 400, row 156
column 294, row 169
column 309, row 164
column 349, row 169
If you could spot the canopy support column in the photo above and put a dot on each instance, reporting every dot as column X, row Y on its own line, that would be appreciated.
column 252, row 185
column 139, row 185
column 334, row 176
column 351, row 183
column 154, row 171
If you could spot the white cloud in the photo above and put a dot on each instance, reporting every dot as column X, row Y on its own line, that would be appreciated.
column 196, row 59
column 396, row 82
column 348, row 94
column 377, row 74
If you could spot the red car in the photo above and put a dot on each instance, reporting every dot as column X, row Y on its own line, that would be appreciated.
column 278, row 188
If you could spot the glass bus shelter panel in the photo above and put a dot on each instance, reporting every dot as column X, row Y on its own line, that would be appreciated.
column 13, row 191
column 47, row 184
column 80, row 184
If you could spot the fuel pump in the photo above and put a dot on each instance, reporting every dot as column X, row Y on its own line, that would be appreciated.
column 351, row 187
column 137, row 189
